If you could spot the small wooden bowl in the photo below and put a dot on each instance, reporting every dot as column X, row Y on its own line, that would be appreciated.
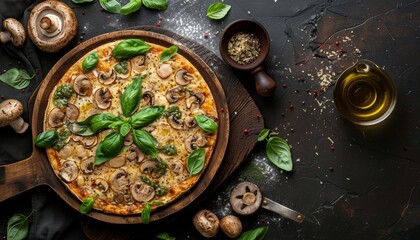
column 264, row 84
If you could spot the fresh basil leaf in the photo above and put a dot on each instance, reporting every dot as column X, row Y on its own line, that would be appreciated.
column 111, row 6
column 255, row 234
column 63, row 94
column 121, row 67
column 145, row 142
column 90, row 61
column 82, row 128
column 206, row 123
column 278, row 152
column 156, row 4
column 18, row 226
column 146, row 116
column 82, row 1
column 263, row 134
column 196, row 160
column 168, row 53
column 46, row 139
column 130, row 48
column 62, row 137
column 125, row 129
column 103, row 121
column 130, row 7
column 218, row 10
column 16, row 78
column 130, row 99
column 145, row 214
column 109, row 148
column 164, row 236
column 87, row 205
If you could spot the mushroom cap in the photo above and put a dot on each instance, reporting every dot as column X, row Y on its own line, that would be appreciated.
column 68, row 23
column 231, row 226
column 207, row 223
column 16, row 31
column 11, row 109
column 245, row 198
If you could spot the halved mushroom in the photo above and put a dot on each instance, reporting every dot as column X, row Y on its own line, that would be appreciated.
column 148, row 98
column 190, row 122
column 148, row 166
column 68, row 171
column 164, row 70
column 193, row 142
column 195, row 98
column 56, row 118
column 182, row 77
column 117, row 161
column 87, row 165
column 82, row 85
column 142, row 192
column 101, row 184
column 175, row 94
column 245, row 198
column 72, row 113
column 103, row 98
column 119, row 180
column 207, row 223
column 135, row 154
column 177, row 167
column 175, row 122
column 138, row 63
column 128, row 139
column 107, row 78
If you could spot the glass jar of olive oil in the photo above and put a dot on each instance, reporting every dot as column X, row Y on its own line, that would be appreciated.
column 365, row 94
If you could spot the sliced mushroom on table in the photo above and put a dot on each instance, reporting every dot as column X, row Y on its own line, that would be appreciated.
column 142, row 192
column 231, row 226
column 11, row 111
column 52, row 25
column 107, row 78
column 102, row 98
column 138, row 63
column 206, row 223
column 195, row 98
column 68, row 171
column 82, row 85
column 13, row 32
column 174, row 94
column 56, row 118
column 119, row 180
column 164, row 70
column 72, row 113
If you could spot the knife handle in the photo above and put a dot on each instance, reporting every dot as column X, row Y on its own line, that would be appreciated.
column 282, row 210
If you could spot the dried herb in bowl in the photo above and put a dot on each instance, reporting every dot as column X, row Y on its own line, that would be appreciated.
column 244, row 47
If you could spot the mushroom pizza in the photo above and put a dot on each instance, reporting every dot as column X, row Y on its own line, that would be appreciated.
column 131, row 124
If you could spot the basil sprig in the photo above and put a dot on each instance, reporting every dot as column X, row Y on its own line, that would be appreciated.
column 145, row 142
column 18, row 226
column 146, row 116
column 16, row 78
column 130, row 48
column 156, row 4
column 277, row 150
column 130, row 99
column 111, row 6
column 87, row 204
column 145, row 214
column 46, row 139
column 255, row 234
column 206, row 123
column 218, row 10
column 90, row 62
column 130, row 7
column 109, row 148
column 195, row 161
column 168, row 53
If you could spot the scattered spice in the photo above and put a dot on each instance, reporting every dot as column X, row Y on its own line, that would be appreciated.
column 157, row 24
column 258, row 116
column 284, row 85
column 331, row 169
column 244, row 47
column 315, row 93
column 222, row 109
column 332, row 148
column 337, row 43
column 161, row 18
column 206, row 35
column 291, row 106
column 101, row 9
column 246, row 131
column 341, row 50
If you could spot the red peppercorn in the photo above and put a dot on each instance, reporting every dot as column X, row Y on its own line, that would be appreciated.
column 337, row 43
column 222, row 109
column 161, row 18
column 2, row 97
column 322, row 89
column 332, row 148
column 157, row 24
column 83, row 13
column 341, row 50
column 284, row 85
column 246, row 131
column 101, row 9
column 315, row 93
column 258, row 116
column 291, row 106
column 206, row 35
column 23, row 90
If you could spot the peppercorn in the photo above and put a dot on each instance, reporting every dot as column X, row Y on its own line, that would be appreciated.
column 246, row 131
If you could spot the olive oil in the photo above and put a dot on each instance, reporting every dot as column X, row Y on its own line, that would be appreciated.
column 365, row 94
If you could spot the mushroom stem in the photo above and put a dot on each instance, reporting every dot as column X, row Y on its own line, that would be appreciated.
column 19, row 125
column 5, row 37
column 50, row 25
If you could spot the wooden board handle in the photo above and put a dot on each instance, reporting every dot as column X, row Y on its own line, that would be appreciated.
column 18, row 177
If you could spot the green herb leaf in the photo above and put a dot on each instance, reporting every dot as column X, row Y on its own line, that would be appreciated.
column 103, row 121
column 218, row 10
column 130, row 48
column 160, row 168
column 206, row 123
column 125, row 129
column 255, row 234
column 278, row 152
column 130, row 99
column 63, row 94
column 111, row 6
column 263, row 134
column 130, row 7
column 18, row 226
column 159, row 190
column 62, row 137
column 156, row 4
column 82, row 128
column 168, row 53
column 164, row 236
column 196, row 160
column 145, row 214
column 145, row 142
column 173, row 110
column 46, row 139
column 16, row 78
column 146, row 116
column 109, row 148
column 82, row 1
column 90, row 61
column 87, row 205
column 168, row 149
column 121, row 67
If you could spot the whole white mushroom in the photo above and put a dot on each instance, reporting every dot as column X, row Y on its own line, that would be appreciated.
column 10, row 114
column 13, row 31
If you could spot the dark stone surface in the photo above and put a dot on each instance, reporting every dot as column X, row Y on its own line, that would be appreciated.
column 350, row 182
